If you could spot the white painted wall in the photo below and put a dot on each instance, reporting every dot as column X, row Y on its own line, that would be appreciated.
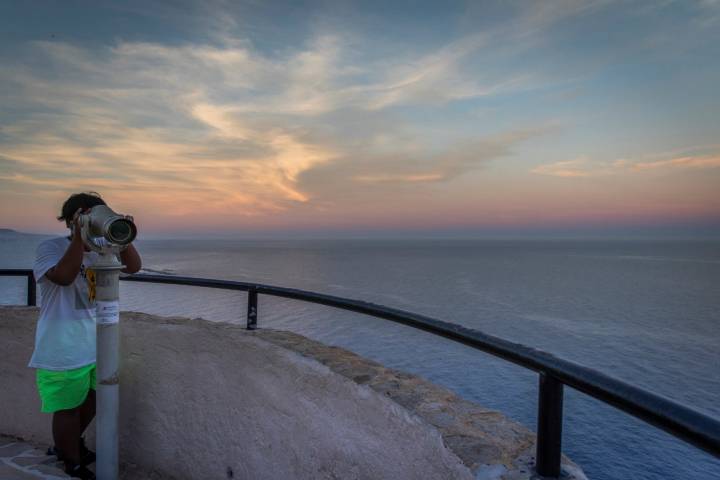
column 200, row 399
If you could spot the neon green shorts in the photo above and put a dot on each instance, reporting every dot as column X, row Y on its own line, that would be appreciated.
column 64, row 389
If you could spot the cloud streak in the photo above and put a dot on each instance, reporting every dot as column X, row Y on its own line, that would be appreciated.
column 583, row 167
column 682, row 163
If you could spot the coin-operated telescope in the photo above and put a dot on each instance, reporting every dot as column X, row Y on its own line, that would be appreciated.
column 107, row 233
column 116, row 231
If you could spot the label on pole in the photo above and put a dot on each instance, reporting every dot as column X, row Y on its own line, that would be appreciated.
column 107, row 312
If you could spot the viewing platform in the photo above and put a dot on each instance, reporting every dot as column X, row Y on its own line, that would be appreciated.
column 20, row 460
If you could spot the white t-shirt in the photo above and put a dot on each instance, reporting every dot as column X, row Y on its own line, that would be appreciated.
column 65, row 335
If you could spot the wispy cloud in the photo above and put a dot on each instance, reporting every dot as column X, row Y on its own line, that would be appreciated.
column 92, row 136
column 707, row 161
column 425, row 167
column 584, row 167
column 226, row 121
column 566, row 168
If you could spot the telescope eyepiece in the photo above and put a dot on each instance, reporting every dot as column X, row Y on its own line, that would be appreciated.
column 121, row 231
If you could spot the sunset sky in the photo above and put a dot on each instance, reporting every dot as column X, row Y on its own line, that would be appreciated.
column 268, row 118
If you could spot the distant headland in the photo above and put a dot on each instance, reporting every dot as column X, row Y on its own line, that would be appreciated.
column 9, row 232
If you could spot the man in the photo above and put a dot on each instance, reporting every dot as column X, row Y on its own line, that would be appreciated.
column 64, row 353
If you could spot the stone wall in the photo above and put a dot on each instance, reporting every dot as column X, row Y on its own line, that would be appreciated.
column 212, row 400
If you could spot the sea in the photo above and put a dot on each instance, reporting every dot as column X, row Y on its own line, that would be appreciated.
column 643, row 311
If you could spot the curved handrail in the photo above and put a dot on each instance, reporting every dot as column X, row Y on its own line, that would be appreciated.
column 698, row 429
column 675, row 418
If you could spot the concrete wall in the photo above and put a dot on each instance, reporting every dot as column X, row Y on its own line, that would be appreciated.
column 211, row 400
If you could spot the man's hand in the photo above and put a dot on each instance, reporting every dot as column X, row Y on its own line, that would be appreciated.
column 68, row 267
column 76, row 226
column 130, row 257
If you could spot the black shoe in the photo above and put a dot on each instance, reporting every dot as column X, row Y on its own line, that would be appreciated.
column 87, row 456
column 79, row 471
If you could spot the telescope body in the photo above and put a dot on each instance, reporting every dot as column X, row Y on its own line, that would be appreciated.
column 107, row 272
column 117, row 231
column 103, row 222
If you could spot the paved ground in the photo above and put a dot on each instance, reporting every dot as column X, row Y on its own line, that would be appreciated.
column 23, row 461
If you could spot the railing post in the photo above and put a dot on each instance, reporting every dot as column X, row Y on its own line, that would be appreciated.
column 252, row 309
column 31, row 292
column 549, row 434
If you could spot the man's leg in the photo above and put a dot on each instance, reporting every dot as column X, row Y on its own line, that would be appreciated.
column 66, row 427
column 61, row 388
column 87, row 411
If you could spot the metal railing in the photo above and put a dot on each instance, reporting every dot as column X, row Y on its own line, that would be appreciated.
column 31, row 287
column 680, row 421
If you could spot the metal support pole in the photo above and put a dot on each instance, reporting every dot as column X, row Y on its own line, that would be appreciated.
column 252, row 309
column 549, row 434
column 31, row 291
column 108, row 380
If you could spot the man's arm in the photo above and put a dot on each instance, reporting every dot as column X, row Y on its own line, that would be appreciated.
column 65, row 271
column 131, row 259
